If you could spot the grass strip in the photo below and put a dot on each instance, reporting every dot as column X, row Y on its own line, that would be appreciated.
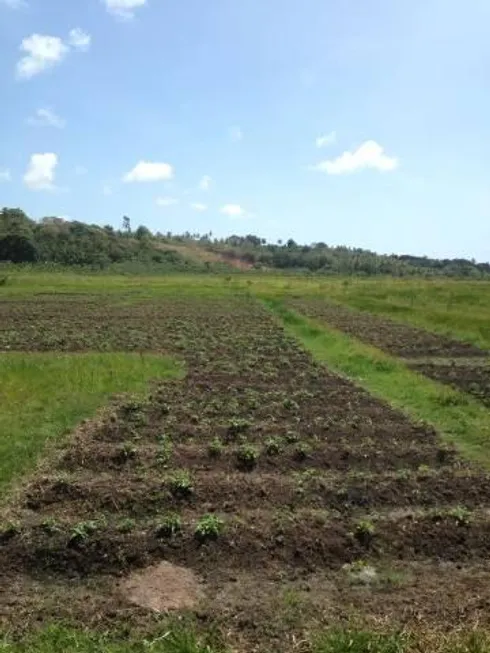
column 458, row 417
column 45, row 395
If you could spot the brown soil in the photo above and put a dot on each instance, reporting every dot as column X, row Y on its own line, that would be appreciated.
column 473, row 379
column 388, row 335
column 161, row 588
column 352, row 479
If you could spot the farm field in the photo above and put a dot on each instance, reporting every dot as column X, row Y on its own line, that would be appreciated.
column 270, row 502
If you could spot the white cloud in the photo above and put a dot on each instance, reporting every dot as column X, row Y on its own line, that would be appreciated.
column 205, row 183
column 197, row 206
column 79, row 39
column 148, row 171
column 46, row 118
column 236, row 134
column 233, row 210
column 327, row 139
column 41, row 170
column 368, row 155
column 43, row 52
column 5, row 175
column 14, row 4
column 123, row 8
column 166, row 201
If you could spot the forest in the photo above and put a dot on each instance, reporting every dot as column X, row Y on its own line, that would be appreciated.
column 64, row 243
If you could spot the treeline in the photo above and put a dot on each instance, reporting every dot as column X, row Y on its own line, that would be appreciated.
column 69, row 243
column 322, row 258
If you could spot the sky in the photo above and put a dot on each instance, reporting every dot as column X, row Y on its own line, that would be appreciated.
column 352, row 122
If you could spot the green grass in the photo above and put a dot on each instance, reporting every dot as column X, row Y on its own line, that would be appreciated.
column 43, row 396
column 459, row 418
column 59, row 639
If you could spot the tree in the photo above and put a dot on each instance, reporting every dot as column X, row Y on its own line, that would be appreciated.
column 126, row 224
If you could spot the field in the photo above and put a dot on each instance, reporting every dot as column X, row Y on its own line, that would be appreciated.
column 277, row 475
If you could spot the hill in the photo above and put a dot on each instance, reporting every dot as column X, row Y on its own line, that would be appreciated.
column 62, row 242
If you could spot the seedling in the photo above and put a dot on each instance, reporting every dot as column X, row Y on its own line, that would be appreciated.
column 126, row 525
column 364, row 532
column 461, row 515
column 165, row 450
column 82, row 531
column 301, row 451
column 50, row 526
column 215, row 448
column 273, row 447
column 209, row 527
column 169, row 526
column 238, row 425
column 181, row 484
column 247, row 457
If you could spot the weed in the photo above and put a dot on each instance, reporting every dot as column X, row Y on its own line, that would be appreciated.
column 209, row 527
column 247, row 457
column 290, row 404
column 292, row 437
column 215, row 448
column 181, row 484
column 169, row 526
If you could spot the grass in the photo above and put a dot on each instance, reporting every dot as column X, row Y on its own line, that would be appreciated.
column 59, row 639
column 459, row 418
column 44, row 395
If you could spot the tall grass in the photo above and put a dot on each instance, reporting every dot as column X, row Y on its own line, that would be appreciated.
column 44, row 395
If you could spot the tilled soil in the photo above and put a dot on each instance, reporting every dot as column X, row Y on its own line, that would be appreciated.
column 460, row 365
column 306, row 472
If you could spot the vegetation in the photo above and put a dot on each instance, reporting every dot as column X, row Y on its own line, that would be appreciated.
column 43, row 396
column 54, row 240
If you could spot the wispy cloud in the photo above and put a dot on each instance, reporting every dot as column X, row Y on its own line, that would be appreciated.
column 79, row 39
column 327, row 139
column 368, row 155
column 149, row 171
column 235, row 134
column 123, row 8
column 46, row 118
column 5, row 175
column 166, row 201
column 14, row 4
column 197, row 206
column 205, row 183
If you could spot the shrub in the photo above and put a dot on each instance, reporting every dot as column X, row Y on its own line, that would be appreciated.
column 247, row 457
column 209, row 527
column 170, row 525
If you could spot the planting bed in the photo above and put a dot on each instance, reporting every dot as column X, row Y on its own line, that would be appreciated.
column 274, row 481
column 455, row 363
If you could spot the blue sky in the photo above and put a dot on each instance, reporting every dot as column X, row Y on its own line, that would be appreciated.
column 360, row 122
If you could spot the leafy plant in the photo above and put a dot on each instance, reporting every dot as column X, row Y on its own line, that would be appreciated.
column 460, row 514
column 181, row 484
column 273, row 446
column 364, row 531
column 126, row 525
column 301, row 451
column 82, row 531
column 50, row 526
column 215, row 448
column 170, row 525
column 348, row 641
column 238, row 425
column 209, row 527
column 165, row 449
column 247, row 457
